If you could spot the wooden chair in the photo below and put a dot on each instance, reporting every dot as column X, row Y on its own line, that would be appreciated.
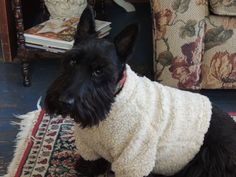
column 24, row 53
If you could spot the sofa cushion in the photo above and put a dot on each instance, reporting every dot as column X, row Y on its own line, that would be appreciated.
column 223, row 7
column 219, row 59
column 178, row 41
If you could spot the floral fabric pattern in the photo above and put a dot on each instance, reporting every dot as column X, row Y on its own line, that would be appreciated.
column 162, row 20
column 222, row 71
column 202, row 2
column 223, row 7
column 186, row 67
column 187, row 40
column 219, row 61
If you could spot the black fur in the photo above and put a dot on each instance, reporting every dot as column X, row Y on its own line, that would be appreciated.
column 217, row 156
column 93, row 168
column 86, row 89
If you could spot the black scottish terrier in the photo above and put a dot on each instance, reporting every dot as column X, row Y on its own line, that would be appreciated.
column 89, row 83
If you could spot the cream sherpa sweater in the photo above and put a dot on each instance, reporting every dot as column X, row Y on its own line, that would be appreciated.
column 150, row 127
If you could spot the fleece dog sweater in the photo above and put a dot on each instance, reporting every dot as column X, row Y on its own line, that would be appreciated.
column 150, row 127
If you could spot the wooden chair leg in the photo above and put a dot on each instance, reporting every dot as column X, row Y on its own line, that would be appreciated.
column 25, row 68
column 22, row 51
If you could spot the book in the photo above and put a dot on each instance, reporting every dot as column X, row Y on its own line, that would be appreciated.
column 55, row 49
column 59, row 33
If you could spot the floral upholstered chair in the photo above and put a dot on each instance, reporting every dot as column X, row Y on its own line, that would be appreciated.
column 195, row 43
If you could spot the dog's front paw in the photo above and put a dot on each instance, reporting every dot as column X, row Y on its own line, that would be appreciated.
column 92, row 168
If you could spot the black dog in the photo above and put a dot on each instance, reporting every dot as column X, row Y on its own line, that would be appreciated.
column 90, row 83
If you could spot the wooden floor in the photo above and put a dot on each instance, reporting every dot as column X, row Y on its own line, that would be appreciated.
column 16, row 99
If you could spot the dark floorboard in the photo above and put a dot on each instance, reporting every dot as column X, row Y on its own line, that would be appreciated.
column 16, row 99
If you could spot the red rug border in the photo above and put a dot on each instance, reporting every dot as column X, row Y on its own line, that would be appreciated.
column 29, row 145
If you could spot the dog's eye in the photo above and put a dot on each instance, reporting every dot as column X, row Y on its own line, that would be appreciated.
column 97, row 72
column 73, row 62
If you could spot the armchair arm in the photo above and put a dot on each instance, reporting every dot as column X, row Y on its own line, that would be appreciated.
column 178, row 31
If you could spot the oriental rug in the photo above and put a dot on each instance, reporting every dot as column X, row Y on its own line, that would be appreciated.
column 45, row 147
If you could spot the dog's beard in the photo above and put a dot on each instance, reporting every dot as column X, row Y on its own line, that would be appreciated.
column 93, row 107
column 88, row 110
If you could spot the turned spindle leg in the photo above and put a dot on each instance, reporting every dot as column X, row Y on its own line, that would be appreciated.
column 22, row 51
column 25, row 68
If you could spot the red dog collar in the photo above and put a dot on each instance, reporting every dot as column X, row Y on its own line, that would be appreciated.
column 121, row 83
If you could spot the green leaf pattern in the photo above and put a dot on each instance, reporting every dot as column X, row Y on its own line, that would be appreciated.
column 165, row 58
column 217, row 36
column 180, row 6
column 188, row 29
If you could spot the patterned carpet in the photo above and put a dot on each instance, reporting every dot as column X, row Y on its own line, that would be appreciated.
column 50, row 150
column 45, row 147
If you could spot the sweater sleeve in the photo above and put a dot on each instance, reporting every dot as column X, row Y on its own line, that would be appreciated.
column 85, row 151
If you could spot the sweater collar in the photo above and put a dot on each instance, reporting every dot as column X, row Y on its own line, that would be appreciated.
column 128, row 89
column 121, row 83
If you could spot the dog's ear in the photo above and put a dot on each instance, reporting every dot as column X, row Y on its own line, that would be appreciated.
column 125, row 40
column 86, row 25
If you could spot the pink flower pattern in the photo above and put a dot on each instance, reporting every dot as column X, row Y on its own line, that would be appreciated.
column 186, row 68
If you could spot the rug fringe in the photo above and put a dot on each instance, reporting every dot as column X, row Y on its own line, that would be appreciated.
column 234, row 117
column 26, row 126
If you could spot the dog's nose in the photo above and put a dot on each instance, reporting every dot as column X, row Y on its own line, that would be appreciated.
column 68, row 100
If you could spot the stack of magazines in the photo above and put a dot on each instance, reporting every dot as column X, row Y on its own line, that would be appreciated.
column 57, row 35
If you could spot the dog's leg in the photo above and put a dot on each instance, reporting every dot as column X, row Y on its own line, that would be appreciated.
column 92, row 168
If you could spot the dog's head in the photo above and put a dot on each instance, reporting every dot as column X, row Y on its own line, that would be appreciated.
column 87, row 86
